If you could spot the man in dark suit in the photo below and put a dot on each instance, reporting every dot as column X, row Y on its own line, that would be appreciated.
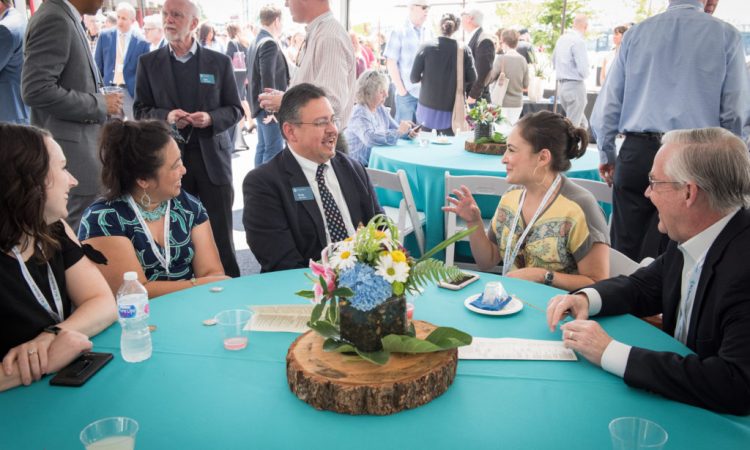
column 193, row 89
column 700, row 185
column 267, row 69
column 483, row 49
column 117, row 53
column 307, row 196
column 12, row 29
column 60, row 83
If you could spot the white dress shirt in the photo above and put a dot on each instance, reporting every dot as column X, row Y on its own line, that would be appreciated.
column 615, row 356
column 310, row 169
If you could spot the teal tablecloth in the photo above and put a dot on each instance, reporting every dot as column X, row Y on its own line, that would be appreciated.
column 425, row 168
column 193, row 394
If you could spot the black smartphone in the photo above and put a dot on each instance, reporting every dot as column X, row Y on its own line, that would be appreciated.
column 416, row 128
column 459, row 283
column 79, row 371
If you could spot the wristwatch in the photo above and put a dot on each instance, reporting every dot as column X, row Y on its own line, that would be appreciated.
column 548, row 277
column 54, row 329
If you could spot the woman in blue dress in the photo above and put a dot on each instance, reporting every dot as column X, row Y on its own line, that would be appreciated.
column 146, row 223
column 371, row 123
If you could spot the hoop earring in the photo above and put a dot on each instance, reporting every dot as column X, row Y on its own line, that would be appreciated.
column 145, row 200
column 544, row 177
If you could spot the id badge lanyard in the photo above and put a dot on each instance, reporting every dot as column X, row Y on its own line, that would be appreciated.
column 38, row 295
column 166, row 258
column 510, row 256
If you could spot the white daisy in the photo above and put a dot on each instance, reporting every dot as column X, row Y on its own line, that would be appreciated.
column 392, row 271
column 344, row 257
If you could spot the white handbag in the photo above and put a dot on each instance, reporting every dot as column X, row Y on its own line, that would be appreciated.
column 499, row 87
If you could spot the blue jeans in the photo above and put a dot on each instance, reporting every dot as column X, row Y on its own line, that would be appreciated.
column 406, row 108
column 270, row 141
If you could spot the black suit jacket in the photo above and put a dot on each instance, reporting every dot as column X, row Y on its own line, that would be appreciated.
column 717, row 376
column 266, row 68
column 483, row 49
column 156, row 96
column 284, row 233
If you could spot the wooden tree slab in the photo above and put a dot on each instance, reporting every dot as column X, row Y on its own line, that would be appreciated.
column 489, row 148
column 347, row 384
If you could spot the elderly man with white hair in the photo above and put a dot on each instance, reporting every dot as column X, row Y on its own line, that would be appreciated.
column 700, row 185
column 193, row 89
column 153, row 31
column 117, row 53
column 483, row 49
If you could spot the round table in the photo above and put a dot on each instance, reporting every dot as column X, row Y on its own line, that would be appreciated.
column 426, row 167
column 193, row 394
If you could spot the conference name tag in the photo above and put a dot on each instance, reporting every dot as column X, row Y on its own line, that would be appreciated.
column 302, row 194
column 207, row 78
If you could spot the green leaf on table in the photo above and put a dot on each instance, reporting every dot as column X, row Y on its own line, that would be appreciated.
column 380, row 358
column 317, row 311
column 397, row 343
column 324, row 329
column 447, row 337
column 343, row 292
column 336, row 345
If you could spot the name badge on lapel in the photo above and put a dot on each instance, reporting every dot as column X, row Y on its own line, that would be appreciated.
column 302, row 194
column 207, row 78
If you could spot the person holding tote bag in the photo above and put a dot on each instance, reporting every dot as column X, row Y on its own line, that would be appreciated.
column 436, row 66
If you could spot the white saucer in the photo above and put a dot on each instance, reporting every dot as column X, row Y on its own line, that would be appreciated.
column 512, row 307
column 439, row 142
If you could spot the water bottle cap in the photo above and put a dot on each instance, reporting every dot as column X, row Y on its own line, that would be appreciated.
column 130, row 276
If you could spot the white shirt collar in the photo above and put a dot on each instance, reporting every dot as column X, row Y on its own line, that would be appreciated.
column 698, row 245
column 308, row 166
column 186, row 56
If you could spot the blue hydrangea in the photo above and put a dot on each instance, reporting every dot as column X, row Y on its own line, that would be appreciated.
column 370, row 290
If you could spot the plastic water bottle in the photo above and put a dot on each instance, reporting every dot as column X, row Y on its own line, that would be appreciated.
column 133, row 310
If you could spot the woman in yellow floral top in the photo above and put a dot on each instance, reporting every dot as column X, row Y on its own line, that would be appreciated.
column 560, row 237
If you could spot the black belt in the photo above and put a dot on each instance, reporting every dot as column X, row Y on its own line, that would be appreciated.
column 651, row 135
column 566, row 80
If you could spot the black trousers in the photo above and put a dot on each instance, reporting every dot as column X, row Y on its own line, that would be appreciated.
column 634, row 218
column 217, row 199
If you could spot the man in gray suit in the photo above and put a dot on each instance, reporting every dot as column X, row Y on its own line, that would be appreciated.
column 12, row 28
column 60, row 83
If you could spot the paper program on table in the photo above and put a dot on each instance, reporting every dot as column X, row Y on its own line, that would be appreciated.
column 280, row 318
column 511, row 348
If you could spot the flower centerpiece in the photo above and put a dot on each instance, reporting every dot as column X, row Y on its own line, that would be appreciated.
column 481, row 118
column 359, row 288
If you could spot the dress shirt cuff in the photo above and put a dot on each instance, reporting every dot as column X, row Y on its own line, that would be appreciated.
column 607, row 154
column 595, row 300
column 615, row 358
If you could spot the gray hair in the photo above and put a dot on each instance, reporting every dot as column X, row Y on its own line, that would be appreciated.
column 368, row 86
column 714, row 159
column 476, row 15
column 152, row 22
column 125, row 6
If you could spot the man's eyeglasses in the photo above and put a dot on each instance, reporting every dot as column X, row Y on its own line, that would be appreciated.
column 424, row 7
column 321, row 123
column 652, row 183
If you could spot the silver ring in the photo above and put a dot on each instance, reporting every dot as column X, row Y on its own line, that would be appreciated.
column 31, row 352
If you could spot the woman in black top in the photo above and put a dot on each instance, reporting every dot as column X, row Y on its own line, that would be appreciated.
column 435, row 66
column 44, row 272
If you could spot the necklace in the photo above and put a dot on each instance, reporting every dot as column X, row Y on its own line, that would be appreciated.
column 154, row 215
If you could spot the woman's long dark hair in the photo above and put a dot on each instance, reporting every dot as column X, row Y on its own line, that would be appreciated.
column 24, row 165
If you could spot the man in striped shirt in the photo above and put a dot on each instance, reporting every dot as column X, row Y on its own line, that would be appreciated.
column 327, row 58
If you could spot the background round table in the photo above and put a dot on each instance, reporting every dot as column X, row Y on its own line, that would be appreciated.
column 193, row 394
column 426, row 167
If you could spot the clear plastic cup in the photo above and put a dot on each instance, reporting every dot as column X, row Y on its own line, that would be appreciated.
column 410, row 310
column 423, row 138
column 112, row 433
column 117, row 90
column 232, row 323
column 637, row 433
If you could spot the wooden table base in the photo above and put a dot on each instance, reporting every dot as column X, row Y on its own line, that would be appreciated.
column 347, row 384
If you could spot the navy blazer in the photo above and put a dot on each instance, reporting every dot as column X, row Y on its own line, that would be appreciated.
column 156, row 96
column 717, row 375
column 106, row 54
column 284, row 233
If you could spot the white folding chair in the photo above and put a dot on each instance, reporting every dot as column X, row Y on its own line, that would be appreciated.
column 619, row 264
column 406, row 215
column 477, row 184
column 601, row 191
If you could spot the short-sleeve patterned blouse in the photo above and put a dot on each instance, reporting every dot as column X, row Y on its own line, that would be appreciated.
column 562, row 235
column 116, row 218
